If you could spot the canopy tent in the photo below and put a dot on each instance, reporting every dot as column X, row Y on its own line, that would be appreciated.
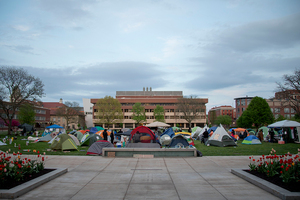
column 284, row 123
column 179, row 141
column 157, row 124
column 251, row 139
column 26, row 127
column 96, row 147
column 63, row 142
column 169, row 132
column 54, row 126
column 220, row 138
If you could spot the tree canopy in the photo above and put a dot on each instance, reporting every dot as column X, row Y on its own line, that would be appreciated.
column 257, row 113
column 225, row 120
column 139, row 114
column 109, row 111
column 159, row 113
column 26, row 114
column 17, row 87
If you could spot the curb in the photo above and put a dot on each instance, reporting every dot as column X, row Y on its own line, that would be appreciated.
column 30, row 185
column 265, row 185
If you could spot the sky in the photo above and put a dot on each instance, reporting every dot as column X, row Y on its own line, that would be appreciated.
column 215, row 49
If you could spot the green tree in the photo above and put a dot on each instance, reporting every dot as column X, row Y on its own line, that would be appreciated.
column 280, row 118
column 109, row 111
column 159, row 113
column 259, row 112
column 16, row 88
column 212, row 117
column 225, row 120
column 245, row 120
column 70, row 112
column 139, row 114
column 26, row 114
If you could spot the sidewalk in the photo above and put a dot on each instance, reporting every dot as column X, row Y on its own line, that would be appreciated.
column 95, row 177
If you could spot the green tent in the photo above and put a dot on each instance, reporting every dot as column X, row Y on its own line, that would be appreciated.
column 265, row 130
column 63, row 142
column 79, row 135
column 90, row 139
column 99, row 128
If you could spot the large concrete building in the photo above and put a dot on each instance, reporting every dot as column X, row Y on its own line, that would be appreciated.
column 149, row 99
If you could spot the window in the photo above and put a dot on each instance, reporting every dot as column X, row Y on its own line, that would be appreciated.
column 292, row 110
column 286, row 110
column 271, row 110
column 238, row 102
column 54, row 119
column 248, row 101
column 277, row 110
column 287, row 116
column 276, row 116
column 243, row 102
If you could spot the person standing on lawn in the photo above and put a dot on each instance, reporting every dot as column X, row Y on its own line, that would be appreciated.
column 105, row 134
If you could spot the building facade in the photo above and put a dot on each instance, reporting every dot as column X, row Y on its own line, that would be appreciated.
column 149, row 100
column 222, row 110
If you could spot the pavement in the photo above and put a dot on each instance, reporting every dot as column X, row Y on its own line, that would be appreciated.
column 183, row 178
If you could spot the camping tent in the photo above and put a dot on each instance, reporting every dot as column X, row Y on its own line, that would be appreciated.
column 179, row 141
column 165, row 140
column 26, row 127
column 99, row 128
column 90, row 139
column 46, row 138
column 54, row 126
column 79, row 135
column 96, row 147
column 214, row 128
column 169, row 132
column 93, row 130
column 100, row 133
column 202, row 131
column 196, row 131
column 74, row 139
column 265, row 130
column 63, row 142
column 187, row 134
column 220, row 138
column 127, row 133
column 251, row 139
column 145, row 131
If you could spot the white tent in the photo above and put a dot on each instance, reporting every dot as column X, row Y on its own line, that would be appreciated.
column 202, row 131
column 284, row 123
column 221, row 138
column 157, row 124
column 196, row 132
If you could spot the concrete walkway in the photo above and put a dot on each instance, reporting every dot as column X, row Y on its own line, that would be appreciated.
column 95, row 177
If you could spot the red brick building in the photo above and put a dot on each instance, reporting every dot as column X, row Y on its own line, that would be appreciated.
column 221, row 110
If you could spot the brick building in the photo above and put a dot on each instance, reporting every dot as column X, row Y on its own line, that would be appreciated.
column 221, row 110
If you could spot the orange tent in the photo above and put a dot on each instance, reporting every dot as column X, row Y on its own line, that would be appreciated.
column 101, row 133
column 83, row 131
column 239, row 129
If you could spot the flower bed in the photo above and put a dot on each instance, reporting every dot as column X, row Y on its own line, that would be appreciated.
column 281, row 169
column 16, row 168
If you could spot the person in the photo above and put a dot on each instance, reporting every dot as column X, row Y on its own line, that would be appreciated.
column 112, row 137
column 260, row 135
column 271, row 133
column 105, row 134
column 245, row 134
column 205, row 136
column 211, row 132
column 190, row 130
column 232, row 133
column 136, row 137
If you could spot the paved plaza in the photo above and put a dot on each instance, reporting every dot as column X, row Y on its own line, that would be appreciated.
column 96, row 177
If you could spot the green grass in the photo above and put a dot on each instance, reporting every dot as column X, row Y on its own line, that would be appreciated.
column 248, row 150
column 241, row 149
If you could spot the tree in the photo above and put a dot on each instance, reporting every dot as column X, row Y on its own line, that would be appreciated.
column 280, row 118
column 26, row 114
column 258, row 112
column 139, row 114
column 190, row 107
column 225, row 120
column 213, row 117
column 159, row 113
column 16, row 88
column 245, row 120
column 109, row 111
column 70, row 112
column 290, row 90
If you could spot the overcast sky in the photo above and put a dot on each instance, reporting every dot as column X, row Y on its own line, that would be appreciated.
column 212, row 49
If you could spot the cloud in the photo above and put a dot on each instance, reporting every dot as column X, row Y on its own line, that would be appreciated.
column 21, row 27
column 21, row 49
column 98, row 80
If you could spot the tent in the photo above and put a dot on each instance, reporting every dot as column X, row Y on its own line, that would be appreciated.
column 145, row 131
column 220, row 138
column 201, row 133
column 175, row 128
column 74, row 139
column 99, row 128
column 90, row 139
column 179, row 141
column 169, row 132
column 157, row 124
column 284, row 123
column 165, row 140
column 63, row 142
column 196, row 131
column 72, row 132
column 79, row 135
column 127, row 133
column 187, row 134
column 251, row 139
column 214, row 128
column 265, row 130
column 100, row 133
column 96, row 148
column 54, row 126
column 93, row 130
column 83, row 131
column 46, row 138
column 26, row 127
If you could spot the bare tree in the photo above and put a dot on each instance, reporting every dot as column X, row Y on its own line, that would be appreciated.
column 290, row 91
column 190, row 107
column 70, row 112
column 16, row 88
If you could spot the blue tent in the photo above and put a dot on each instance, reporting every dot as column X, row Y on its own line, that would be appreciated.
column 169, row 132
column 179, row 141
column 93, row 130
column 251, row 139
column 54, row 126
column 212, row 128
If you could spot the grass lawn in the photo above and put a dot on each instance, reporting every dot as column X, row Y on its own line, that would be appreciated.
column 249, row 150
column 241, row 149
